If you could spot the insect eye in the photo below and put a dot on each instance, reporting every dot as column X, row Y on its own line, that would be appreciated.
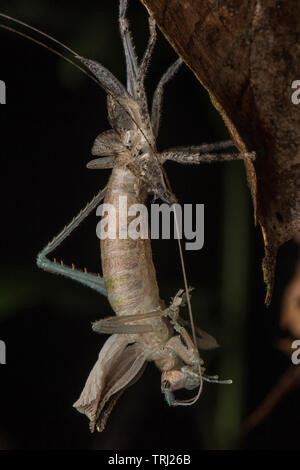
column 166, row 385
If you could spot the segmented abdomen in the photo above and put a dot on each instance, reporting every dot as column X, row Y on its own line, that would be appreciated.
column 128, row 269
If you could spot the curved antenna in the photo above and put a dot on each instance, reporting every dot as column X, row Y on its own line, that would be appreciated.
column 32, row 28
column 19, row 33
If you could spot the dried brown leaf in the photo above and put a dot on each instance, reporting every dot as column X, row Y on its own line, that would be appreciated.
column 247, row 55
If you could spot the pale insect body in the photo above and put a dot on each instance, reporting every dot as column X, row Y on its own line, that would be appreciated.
column 143, row 329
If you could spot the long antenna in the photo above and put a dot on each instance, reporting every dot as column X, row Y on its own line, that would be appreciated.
column 8, row 28
column 196, row 397
column 32, row 28
column 70, row 61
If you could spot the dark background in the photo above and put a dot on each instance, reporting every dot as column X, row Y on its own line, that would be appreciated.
column 52, row 115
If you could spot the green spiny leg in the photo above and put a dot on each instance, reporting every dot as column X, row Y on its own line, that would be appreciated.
column 91, row 280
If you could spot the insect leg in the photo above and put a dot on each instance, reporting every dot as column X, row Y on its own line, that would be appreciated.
column 143, row 67
column 158, row 95
column 106, row 79
column 192, row 157
column 88, row 279
column 186, row 352
column 130, row 56
column 204, row 148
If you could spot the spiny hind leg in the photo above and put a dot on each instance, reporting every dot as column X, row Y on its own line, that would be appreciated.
column 88, row 279
column 176, row 303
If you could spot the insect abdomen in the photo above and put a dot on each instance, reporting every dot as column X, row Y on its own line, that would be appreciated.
column 128, row 269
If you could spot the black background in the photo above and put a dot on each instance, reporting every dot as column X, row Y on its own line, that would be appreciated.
column 52, row 115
